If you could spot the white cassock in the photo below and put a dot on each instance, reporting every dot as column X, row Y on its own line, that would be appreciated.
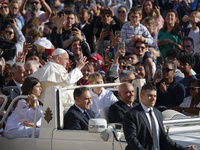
column 53, row 74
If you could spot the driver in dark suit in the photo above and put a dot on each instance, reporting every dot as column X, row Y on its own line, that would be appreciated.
column 78, row 115
column 143, row 125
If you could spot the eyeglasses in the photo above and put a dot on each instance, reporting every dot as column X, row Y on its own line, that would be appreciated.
column 36, row 3
column 193, row 88
column 5, row 7
column 123, row 12
column 9, row 32
column 126, row 67
column 138, row 47
column 166, row 70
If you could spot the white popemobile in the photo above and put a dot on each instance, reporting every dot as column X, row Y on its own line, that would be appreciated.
column 100, row 135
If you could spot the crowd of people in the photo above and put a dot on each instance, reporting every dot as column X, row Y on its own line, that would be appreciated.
column 82, row 42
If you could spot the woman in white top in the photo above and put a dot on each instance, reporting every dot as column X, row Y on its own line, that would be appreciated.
column 191, row 104
column 20, row 123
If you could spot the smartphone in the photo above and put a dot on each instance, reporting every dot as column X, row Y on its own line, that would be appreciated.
column 159, row 60
column 190, row 19
column 155, row 3
column 44, row 56
column 121, row 45
column 74, row 25
column 111, row 54
column 60, row 13
column 92, row 2
column 29, row 39
column 106, row 27
column 106, row 44
column 11, row 21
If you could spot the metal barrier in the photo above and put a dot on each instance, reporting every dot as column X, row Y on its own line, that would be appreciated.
column 11, row 90
column 92, row 86
column 180, row 122
column 11, row 105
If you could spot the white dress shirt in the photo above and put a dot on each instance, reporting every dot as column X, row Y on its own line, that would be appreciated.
column 106, row 98
column 146, row 110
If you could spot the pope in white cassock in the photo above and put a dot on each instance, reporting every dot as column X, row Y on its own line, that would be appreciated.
column 54, row 73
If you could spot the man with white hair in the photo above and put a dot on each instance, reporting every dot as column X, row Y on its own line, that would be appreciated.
column 18, row 77
column 54, row 72
column 30, row 67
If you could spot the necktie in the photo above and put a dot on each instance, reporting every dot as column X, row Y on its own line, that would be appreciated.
column 86, row 115
column 154, row 133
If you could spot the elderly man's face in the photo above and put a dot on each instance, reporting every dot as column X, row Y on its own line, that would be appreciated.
column 19, row 75
column 64, row 60
column 30, row 69
column 126, row 93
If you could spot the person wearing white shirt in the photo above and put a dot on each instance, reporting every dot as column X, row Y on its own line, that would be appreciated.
column 20, row 122
column 100, row 97
column 143, row 125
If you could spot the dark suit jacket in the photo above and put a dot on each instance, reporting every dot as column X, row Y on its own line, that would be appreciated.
column 75, row 120
column 137, row 131
column 16, row 92
column 117, row 111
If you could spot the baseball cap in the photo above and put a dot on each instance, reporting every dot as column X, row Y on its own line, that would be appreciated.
column 111, row 75
column 96, row 57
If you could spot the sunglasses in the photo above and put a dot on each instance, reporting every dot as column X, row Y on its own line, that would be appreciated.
column 5, row 7
column 138, row 47
column 9, row 32
column 111, row 79
column 193, row 88
column 103, row 16
column 129, row 81
column 36, row 3
column 166, row 70
column 126, row 67
column 123, row 12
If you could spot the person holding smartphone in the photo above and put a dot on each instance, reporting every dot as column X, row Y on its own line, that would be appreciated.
column 13, row 34
column 36, row 11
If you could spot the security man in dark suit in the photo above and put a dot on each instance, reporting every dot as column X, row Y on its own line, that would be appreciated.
column 143, row 125
column 78, row 115
column 118, row 109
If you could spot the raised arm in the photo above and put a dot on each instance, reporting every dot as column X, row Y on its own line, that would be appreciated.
column 47, row 9
column 22, row 8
